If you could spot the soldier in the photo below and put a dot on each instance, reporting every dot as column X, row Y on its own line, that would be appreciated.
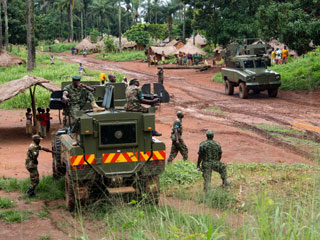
column 160, row 76
column 135, row 98
column 32, row 163
column 209, row 155
column 76, row 95
column 178, row 144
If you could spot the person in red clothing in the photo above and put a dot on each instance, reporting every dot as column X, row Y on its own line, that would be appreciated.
column 48, row 119
column 43, row 124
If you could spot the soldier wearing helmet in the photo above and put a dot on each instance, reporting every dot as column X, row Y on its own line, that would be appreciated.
column 32, row 163
column 209, row 158
column 178, row 144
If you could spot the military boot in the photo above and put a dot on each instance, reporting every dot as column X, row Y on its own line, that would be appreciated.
column 31, row 193
column 96, row 108
column 225, row 183
column 156, row 134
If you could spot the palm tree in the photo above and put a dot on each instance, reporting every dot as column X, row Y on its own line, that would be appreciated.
column 1, row 44
column 119, row 25
column 172, row 8
column 71, row 6
column 29, row 36
column 136, row 6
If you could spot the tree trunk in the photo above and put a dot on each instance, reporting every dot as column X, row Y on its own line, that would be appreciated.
column 71, row 19
column 120, row 46
column 149, row 12
column 1, row 43
column 61, row 24
column 33, row 36
column 6, row 24
column 29, row 40
column 81, row 23
column 169, row 26
column 184, row 23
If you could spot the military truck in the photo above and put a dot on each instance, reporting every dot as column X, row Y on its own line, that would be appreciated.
column 115, row 153
column 246, row 66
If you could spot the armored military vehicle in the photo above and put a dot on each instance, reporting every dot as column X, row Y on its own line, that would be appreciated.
column 246, row 66
column 115, row 151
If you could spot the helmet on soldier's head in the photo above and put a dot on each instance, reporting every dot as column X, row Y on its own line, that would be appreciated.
column 36, row 137
column 180, row 114
column 132, row 81
column 209, row 134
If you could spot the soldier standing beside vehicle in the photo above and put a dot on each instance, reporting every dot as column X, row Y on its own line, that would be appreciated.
column 32, row 163
column 209, row 155
column 76, row 95
column 160, row 76
column 178, row 144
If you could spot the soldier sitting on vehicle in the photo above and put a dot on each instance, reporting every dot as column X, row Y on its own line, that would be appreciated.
column 209, row 157
column 134, row 99
column 77, row 95
column 32, row 163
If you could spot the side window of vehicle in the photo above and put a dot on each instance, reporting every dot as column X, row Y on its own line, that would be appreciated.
column 238, row 65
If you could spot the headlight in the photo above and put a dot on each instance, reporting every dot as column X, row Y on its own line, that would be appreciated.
column 278, row 77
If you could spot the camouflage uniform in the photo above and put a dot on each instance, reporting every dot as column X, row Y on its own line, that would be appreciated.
column 78, row 99
column 32, row 164
column 177, row 147
column 133, row 95
column 210, row 151
column 160, row 76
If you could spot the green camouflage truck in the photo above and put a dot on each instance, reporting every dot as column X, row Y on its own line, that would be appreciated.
column 115, row 153
column 247, row 68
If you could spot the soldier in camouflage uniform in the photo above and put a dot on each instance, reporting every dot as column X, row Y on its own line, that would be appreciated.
column 209, row 155
column 134, row 98
column 160, row 76
column 178, row 144
column 32, row 163
column 77, row 95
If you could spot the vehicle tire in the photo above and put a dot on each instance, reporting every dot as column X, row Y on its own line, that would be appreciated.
column 70, row 194
column 243, row 90
column 256, row 91
column 273, row 92
column 229, row 87
column 58, row 168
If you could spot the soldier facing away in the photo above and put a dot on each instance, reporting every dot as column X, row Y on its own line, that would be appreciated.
column 209, row 155
column 160, row 75
column 178, row 144
column 32, row 163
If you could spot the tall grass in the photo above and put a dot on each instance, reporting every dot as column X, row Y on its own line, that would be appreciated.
column 58, row 48
column 123, row 57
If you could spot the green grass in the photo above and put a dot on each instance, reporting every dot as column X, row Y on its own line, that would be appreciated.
column 279, row 129
column 58, row 48
column 302, row 73
column 46, row 236
column 216, row 110
column 6, row 203
column 11, row 216
column 123, row 57
column 59, row 72
column 48, row 188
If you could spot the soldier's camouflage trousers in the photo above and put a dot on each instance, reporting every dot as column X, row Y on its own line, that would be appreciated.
column 178, row 147
column 207, row 169
column 135, row 107
column 34, row 177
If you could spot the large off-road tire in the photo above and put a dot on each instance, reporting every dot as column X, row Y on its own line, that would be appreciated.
column 273, row 92
column 58, row 168
column 229, row 87
column 150, row 189
column 243, row 90
column 70, row 194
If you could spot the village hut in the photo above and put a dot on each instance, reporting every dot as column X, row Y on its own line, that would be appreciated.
column 276, row 44
column 125, row 44
column 158, row 51
column 11, row 89
column 85, row 43
column 56, row 41
column 190, row 48
column 199, row 40
column 175, row 43
column 8, row 59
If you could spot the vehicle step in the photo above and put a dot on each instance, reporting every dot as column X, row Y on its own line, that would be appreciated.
column 120, row 190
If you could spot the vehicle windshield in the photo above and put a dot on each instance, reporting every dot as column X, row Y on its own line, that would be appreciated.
column 260, row 63
column 248, row 64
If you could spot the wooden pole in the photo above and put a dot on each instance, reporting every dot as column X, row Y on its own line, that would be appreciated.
column 33, row 104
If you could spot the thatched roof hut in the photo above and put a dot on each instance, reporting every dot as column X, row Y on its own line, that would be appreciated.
column 100, row 44
column 157, row 51
column 8, row 59
column 190, row 48
column 85, row 43
column 200, row 41
column 175, row 43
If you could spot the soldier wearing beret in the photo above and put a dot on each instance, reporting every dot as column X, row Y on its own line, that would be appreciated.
column 77, row 95
column 209, row 158
column 178, row 144
column 32, row 163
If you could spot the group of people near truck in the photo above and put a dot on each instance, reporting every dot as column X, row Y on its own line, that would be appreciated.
column 279, row 56
column 42, row 124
